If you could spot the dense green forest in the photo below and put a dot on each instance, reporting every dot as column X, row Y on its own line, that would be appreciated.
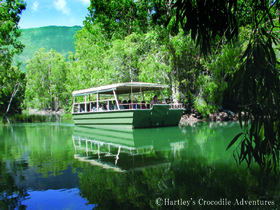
column 133, row 45
column 210, row 53
column 59, row 38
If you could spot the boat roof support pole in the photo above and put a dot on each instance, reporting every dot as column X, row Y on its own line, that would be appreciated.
column 116, row 99
column 73, row 104
column 89, row 103
column 142, row 94
column 85, row 103
column 97, row 105
column 130, row 94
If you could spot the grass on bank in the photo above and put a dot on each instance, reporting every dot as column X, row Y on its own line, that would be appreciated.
column 34, row 118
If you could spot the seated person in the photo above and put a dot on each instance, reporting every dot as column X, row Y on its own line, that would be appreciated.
column 93, row 107
column 111, row 105
column 129, row 104
column 101, row 107
column 125, row 104
column 115, row 107
column 154, row 101
column 135, row 105
column 143, row 105
column 82, row 108
column 120, row 104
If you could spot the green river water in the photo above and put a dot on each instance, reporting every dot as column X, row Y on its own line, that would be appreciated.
column 60, row 166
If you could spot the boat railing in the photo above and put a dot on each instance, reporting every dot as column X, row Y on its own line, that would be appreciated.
column 105, row 105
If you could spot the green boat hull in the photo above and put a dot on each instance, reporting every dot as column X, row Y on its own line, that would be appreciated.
column 158, row 116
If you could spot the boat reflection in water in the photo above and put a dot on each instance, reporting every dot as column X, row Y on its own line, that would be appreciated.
column 126, row 150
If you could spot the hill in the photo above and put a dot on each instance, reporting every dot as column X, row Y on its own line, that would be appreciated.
column 59, row 38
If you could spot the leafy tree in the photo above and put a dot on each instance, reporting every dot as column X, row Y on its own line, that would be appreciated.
column 139, row 57
column 120, row 18
column 257, row 86
column 87, row 66
column 15, row 83
column 207, row 21
column 46, row 74
column 9, row 32
column 213, row 82
column 186, row 65
column 133, row 54
column 154, row 63
column 10, row 11
column 122, row 59
column 256, row 83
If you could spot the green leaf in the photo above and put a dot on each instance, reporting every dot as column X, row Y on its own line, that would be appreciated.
column 233, row 140
column 262, row 133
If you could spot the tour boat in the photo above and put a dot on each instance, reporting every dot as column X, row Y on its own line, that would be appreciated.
column 123, row 105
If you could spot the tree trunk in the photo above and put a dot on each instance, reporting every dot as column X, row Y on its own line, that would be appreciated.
column 16, row 87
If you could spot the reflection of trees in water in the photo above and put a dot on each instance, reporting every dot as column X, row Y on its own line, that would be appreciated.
column 51, row 149
column 184, row 179
column 11, row 196
column 11, row 148
column 210, row 140
column 199, row 170
column 48, row 149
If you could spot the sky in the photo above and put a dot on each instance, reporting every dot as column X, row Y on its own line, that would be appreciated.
column 41, row 13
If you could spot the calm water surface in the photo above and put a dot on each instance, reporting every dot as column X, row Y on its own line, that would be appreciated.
column 60, row 166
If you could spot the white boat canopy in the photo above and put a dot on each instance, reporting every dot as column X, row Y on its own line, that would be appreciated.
column 121, row 88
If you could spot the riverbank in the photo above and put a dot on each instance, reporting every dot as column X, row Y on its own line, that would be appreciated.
column 222, row 116
column 36, row 115
column 45, row 112
column 60, row 113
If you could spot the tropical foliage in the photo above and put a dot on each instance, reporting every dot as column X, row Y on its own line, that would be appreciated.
column 46, row 87
column 256, row 86
column 207, row 51
column 10, row 77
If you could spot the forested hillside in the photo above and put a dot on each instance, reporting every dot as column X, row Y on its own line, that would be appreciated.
column 59, row 38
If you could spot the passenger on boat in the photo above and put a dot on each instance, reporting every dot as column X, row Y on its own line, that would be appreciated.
column 143, row 105
column 115, row 107
column 135, row 104
column 93, row 109
column 125, row 104
column 120, row 104
column 154, row 101
column 129, row 104
column 111, row 105
column 82, row 108
column 101, row 108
